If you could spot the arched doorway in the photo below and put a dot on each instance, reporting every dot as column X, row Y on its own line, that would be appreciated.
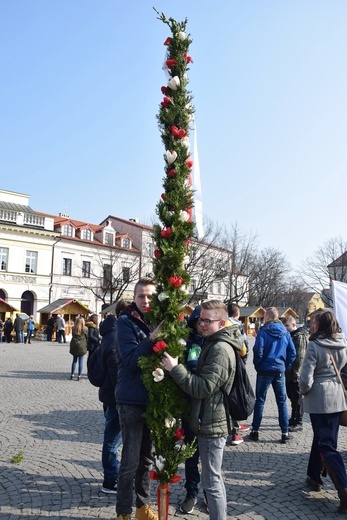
column 27, row 302
column 2, row 294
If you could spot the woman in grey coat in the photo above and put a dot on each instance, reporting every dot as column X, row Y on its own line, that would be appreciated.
column 324, row 400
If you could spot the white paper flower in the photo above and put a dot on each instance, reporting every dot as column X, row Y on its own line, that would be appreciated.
column 171, row 156
column 159, row 462
column 182, row 342
column 174, row 83
column 181, row 35
column 170, row 423
column 185, row 141
column 162, row 296
column 158, row 375
column 184, row 216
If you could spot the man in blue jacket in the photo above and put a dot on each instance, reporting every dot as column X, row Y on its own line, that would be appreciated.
column 134, row 340
column 273, row 353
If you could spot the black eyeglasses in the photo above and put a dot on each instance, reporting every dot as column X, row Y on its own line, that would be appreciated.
column 205, row 322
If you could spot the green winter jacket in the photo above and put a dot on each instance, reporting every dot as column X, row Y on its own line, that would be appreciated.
column 78, row 344
column 215, row 369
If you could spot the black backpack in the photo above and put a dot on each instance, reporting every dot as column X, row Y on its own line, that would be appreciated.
column 241, row 399
column 97, row 370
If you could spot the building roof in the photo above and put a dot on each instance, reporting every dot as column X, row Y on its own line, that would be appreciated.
column 11, row 206
column 341, row 261
column 5, row 306
column 66, row 305
column 251, row 311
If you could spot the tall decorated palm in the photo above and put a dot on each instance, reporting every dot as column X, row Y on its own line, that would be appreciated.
column 166, row 401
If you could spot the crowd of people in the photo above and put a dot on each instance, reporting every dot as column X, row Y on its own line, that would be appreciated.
column 301, row 366
column 307, row 367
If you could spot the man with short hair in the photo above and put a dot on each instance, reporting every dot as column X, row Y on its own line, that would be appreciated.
column 19, row 328
column 135, row 339
column 215, row 372
column 300, row 340
column 60, row 326
column 112, row 431
column 273, row 353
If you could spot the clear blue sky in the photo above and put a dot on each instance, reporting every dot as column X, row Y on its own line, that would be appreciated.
column 80, row 89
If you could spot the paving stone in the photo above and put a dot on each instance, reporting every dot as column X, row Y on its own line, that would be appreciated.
column 58, row 425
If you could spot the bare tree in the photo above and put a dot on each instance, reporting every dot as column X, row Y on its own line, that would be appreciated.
column 328, row 262
column 111, row 274
column 208, row 261
column 267, row 277
column 242, row 247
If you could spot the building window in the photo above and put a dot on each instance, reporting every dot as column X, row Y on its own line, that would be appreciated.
column 126, row 274
column 3, row 258
column 67, row 265
column 109, row 238
column 126, row 243
column 86, row 234
column 68, row 230
column 31, row 262
column 86, row 269
column 150, row 249
column 107, row 278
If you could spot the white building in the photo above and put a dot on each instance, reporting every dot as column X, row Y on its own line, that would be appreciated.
column 92, row 263
column 26, row 245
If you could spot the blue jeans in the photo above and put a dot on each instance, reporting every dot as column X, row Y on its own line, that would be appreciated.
column 324, row 447
column 112, row 441
column 61, row 336
column 192, row 464
column 30, row 333
column 80, row 364
column 136, row 459
column 211, row 456
column 278, row 382
column 20, row 336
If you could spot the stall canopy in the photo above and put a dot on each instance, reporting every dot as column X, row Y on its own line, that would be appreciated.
column 251, row 315
column 70, row 309
column 6, row 309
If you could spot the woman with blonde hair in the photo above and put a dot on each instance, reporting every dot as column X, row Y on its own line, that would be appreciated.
column 78, row 346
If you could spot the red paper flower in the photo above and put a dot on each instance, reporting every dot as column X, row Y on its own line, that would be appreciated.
column 171, row 173
column 189, row 163
column 157, row 253
column 179, row 434
column 163, row 196
column 174, row 131
column 166, row 232
column 166, row 101
column 163, row 90
column 181, row 317
column 188, row 242
column 160, row 346
column 176, row 281
column 187, row 58
column 167, row 41
column 181, row 133
column 171, row 64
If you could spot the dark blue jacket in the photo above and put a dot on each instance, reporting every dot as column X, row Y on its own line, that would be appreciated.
column 273, row 350
column 108, row 330
column 133, row 343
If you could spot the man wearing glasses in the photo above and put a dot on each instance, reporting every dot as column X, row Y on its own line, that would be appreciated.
column 215, row 370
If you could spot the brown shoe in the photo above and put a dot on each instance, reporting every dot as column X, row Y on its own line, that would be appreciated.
column 316, row 486
column 145, row 513
column 123, row 517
